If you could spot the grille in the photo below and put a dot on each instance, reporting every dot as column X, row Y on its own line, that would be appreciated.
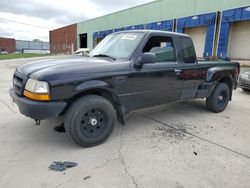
column 19, row 82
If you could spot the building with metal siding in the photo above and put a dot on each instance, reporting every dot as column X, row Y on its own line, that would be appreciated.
column 24, row 45
column 11, row 45
column 158, row 11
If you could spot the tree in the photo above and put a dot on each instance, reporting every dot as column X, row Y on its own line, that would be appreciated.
column 36, row 40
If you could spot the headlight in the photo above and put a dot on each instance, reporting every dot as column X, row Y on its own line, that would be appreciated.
column 36, row 86
column 37, row 90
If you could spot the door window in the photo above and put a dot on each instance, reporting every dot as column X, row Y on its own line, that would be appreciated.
column 162, row 47
column 187, row 50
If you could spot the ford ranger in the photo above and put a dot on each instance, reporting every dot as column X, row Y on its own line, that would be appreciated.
column 128, row 70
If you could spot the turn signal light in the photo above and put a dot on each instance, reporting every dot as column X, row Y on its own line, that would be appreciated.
column 36, row 96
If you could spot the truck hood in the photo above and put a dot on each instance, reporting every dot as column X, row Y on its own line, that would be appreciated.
column 70, row 68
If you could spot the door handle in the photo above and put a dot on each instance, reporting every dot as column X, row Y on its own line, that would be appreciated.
column 177, row 71
column 119, row 79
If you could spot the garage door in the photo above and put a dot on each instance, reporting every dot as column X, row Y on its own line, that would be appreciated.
column 239, row 40
column 198, row 35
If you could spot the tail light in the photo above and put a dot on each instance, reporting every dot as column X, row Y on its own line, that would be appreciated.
column 238, row 70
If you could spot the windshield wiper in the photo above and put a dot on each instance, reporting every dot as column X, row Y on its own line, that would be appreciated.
column 104, row 55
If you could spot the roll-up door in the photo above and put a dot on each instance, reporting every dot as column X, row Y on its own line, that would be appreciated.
column 239, row 40
column 198, row 35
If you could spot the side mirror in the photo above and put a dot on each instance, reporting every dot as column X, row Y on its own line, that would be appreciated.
column 146, row 58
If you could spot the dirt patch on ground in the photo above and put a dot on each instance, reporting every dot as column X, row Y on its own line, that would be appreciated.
column 173, row 132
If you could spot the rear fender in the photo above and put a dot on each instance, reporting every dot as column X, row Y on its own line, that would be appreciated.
column 225, row 75
column 215, row 74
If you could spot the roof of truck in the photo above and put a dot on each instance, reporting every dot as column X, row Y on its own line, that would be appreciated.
column 154, row 31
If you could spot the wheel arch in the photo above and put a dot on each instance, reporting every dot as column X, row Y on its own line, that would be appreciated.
column 229, row 82
column 105, row 92
column 222, row 75
column 219, row 73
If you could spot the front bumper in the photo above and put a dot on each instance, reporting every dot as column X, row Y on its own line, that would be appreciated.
column 37, row 110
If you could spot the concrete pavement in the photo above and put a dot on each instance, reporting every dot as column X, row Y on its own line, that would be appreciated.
column 176, row 145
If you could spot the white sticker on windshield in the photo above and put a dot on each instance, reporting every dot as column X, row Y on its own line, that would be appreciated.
column 129, row 37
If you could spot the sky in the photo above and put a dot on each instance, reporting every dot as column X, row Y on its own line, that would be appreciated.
column 32, row 19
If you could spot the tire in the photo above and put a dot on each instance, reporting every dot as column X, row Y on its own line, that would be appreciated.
column 219, row 99
column 90, row 120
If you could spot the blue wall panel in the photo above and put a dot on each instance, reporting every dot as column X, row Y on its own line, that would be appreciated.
column 180, row 25
column 245, row 14
column 101, row 34
column 197, row 21
column 117, row 30
column 162, row 25
column 223, row 41
column 209, row 41
column 229, row 16
column 134, row 27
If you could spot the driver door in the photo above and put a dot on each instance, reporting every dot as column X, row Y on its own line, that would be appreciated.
column 159, row 82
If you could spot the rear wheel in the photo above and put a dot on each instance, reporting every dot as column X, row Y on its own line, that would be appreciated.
column 218, row 101
column 90, row 120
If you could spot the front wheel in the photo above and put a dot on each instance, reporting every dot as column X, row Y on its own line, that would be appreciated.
column 90, row 120
column 219, row 99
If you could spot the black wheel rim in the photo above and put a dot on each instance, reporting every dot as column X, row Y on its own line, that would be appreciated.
column 222, row 98
column 93, row 123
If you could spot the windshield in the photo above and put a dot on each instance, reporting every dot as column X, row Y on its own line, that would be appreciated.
column 117, row 45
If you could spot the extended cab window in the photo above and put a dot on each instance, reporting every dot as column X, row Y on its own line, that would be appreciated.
column 187, row 50
column 162, row 47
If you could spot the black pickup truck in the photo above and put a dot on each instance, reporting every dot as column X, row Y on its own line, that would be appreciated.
column 128, row 70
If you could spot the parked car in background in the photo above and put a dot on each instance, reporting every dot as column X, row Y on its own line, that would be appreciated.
column 82, row 52
column 245, row 80
column 3, row 52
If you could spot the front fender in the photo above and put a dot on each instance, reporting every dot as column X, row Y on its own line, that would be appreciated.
column 94, row 84
column 97, row 85
column 102, row 86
